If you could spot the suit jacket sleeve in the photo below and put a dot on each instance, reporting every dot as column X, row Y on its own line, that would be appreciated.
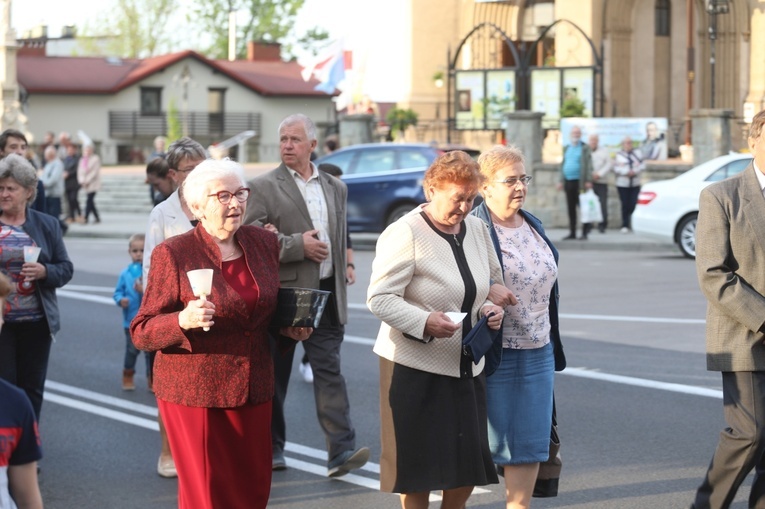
column 723, row 287
column 261, row 200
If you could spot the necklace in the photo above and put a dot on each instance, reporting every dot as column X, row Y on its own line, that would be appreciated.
column 230, row 254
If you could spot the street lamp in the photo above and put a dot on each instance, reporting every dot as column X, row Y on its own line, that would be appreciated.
column 714, row 7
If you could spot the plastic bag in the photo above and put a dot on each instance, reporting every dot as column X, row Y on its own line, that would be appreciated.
column 589, row 207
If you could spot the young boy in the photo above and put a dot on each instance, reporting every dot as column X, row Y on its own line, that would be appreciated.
column 128, row 295
column 19, row 439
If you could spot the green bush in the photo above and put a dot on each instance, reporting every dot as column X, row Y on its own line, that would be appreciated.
column 572, row 107
column 400, row 119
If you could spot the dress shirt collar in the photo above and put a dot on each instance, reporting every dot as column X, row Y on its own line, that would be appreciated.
column 760, row 177
column 314, row 173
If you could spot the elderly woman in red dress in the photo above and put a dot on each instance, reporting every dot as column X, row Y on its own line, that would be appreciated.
column 214, row 387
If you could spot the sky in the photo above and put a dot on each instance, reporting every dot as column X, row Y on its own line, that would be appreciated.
column 344, row 19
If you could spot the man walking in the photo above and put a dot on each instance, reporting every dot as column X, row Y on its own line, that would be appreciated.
column 307, row 208
column 576, row 172
column 730, row 249
column 601, row 165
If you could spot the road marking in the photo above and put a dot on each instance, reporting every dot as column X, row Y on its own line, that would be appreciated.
column 607, row 318
column 75, row 292
column 86, row 297
column 642, row 382
column 88, row 288
column 151, row 411
column 101, row 411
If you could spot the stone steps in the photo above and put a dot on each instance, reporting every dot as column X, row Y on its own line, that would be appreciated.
column 127, row 194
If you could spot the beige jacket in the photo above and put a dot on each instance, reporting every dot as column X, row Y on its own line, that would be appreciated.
column 415, row 273
column 730, row 262
column 89, row 177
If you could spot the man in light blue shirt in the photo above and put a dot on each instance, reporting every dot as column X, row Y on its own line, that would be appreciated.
column 576, row 171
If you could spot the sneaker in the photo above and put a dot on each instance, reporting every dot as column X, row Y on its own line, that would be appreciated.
column 306, row 372
column 166, row 467
column 347, row 461
column 625, row 229
column 278, row 462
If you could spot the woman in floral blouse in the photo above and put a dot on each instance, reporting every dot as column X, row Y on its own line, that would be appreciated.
column 520, row 372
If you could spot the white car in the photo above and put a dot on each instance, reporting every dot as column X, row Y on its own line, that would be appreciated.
column 668, row 208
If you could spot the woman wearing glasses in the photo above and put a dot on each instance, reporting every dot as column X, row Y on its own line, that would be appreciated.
column 435, row 260
column 519, row 381
column 214, row 387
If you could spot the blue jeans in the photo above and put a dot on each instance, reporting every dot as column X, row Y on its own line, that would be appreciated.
column 131, row 354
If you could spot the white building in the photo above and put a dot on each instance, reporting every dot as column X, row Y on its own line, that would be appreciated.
column 123, row 104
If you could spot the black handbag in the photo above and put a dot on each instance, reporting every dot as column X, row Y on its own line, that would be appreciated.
column 480, row 339
column 549, row 471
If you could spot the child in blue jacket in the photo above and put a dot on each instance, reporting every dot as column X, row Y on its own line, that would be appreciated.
column 127, row 295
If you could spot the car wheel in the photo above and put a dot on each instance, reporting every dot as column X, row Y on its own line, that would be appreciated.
column 686, row 235
column 398, row 213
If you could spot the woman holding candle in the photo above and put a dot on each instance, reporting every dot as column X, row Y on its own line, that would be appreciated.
column 31, row 314
column 214, row 388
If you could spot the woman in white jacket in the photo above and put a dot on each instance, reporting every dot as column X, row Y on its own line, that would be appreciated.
column 436, row 259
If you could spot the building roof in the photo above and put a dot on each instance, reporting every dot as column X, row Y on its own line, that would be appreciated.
column 100, row 75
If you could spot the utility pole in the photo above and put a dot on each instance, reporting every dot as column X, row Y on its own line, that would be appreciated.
column 714, row 7
column 691, row 55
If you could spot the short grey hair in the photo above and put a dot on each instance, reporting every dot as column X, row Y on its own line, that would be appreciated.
column 197, row 185
column 299, row 118
column 19, row 169
column 185, row 148
column 499, row 157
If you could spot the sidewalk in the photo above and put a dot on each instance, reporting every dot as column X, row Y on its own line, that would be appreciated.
column 122, row 226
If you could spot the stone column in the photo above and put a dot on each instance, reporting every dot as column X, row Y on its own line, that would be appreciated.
column 524, row 130
column 710, row 133
column 355, row 129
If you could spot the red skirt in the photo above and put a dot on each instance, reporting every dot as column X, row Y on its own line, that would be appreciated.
column 223, row 455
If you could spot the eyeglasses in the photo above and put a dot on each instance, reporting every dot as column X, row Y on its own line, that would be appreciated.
column 513, row 181
column 240, row 194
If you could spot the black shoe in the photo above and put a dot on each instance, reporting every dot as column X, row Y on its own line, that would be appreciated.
column 570, row 237
column 583, row 237
column 347, row 461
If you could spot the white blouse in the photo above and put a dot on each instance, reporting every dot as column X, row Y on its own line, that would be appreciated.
column 530, row 272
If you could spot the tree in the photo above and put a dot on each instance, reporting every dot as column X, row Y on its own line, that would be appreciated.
column 131, row 29
column 263, row 20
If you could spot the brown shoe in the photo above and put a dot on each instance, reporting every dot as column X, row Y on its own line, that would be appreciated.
column 128, row 384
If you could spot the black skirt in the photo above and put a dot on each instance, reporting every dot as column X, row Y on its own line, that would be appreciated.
column 434, row 431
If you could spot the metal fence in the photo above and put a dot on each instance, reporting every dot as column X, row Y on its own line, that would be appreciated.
column 133, row 124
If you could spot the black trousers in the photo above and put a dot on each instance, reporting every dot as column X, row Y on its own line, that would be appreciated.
column 74, row 205
column 742, row 444
column 24, row 352
column 90, row 206
column 629, row 197
column 571, row 187
column 329, row 388
column 601, row 191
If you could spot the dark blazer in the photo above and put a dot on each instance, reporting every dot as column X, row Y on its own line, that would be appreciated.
column 45, row 230
column 494, row 356
column 230, row 364
column 730, row 242
column 276, row 199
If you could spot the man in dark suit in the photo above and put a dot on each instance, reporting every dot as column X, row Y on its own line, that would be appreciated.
column 730, row 249
column 307, row 208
